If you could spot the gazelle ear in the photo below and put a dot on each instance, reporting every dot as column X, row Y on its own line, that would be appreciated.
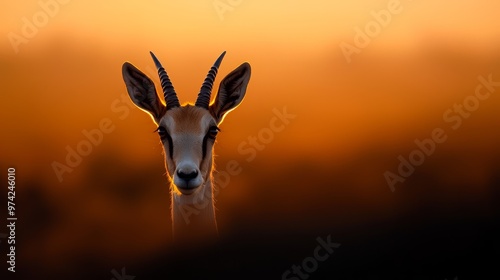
column 231, row 92
column 142, row 91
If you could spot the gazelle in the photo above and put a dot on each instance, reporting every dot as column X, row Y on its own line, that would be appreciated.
column 188, row 134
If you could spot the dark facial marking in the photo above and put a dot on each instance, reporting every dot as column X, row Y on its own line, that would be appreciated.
column 165, row 136
column 210, row 135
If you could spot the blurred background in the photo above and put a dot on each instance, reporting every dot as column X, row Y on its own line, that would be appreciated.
column 363, row 79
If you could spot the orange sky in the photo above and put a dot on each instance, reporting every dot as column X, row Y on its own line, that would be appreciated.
column 73, row 64
column 186, row 24
column 74, row 60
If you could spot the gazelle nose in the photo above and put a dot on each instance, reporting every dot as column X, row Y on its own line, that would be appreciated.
column 187, row 175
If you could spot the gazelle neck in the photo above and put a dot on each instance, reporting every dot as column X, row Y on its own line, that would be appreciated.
column 193, row 216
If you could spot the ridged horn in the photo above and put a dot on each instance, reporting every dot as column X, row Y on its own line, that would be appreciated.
column 168, row 89
column 206, row 89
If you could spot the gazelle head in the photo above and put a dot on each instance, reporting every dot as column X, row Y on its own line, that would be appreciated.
column 187, row 132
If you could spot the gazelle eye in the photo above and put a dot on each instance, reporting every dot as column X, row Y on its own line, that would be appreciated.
column 162, row 132
column 212, row 132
